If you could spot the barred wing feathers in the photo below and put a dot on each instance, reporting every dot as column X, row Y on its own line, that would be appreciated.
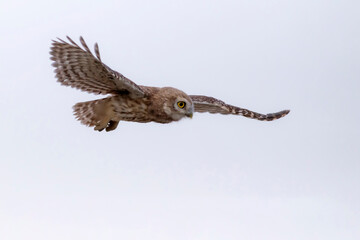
column 213, row 105
column 79, row 68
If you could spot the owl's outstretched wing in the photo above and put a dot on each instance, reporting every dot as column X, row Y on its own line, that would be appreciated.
column 79, row 68
column 213, row 105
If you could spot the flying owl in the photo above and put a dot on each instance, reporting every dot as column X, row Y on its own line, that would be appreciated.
column 77, row 67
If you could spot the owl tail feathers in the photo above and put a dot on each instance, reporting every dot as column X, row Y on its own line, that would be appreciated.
column 97, row 113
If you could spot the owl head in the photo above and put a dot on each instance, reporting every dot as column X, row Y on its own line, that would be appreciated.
column 176, row 104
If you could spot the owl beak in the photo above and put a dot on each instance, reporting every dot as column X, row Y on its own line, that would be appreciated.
column 190, row 113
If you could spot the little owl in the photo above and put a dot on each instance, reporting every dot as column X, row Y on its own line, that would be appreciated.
column 79, row 68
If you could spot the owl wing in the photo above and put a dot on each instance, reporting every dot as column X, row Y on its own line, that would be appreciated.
column 79, row 68
column 213, row 105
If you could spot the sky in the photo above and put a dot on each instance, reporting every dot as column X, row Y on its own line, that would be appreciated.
column 211, row 177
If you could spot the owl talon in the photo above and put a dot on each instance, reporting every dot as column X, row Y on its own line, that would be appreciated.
column 112, row 125
column 100, row 127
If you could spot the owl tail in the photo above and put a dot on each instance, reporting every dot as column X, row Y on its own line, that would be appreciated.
column 98, row 113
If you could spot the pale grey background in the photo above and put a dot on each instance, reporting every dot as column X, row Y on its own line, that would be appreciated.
column 212, row 177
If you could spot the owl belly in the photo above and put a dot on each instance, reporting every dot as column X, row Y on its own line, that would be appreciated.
column 133, row 110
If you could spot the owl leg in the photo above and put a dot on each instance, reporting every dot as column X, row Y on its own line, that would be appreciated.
column 101, row 125
column 112, row 125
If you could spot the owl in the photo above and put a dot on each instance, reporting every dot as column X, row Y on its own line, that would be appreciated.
column 77, row 67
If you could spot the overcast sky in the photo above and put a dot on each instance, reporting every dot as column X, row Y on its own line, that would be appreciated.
column 211, row 177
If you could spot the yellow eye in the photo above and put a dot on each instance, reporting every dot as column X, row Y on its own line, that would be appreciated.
column 181, row 104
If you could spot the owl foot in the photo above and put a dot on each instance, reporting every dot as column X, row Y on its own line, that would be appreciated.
column 109, row 126
column 101, row 125
column 112, row 125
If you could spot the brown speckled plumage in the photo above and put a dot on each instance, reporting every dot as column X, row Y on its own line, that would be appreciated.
column 79, row 68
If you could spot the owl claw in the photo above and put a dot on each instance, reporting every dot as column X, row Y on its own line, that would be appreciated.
column 112, row 125
column 98, row 129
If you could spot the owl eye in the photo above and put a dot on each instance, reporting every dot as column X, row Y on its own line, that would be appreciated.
column 181, row 104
